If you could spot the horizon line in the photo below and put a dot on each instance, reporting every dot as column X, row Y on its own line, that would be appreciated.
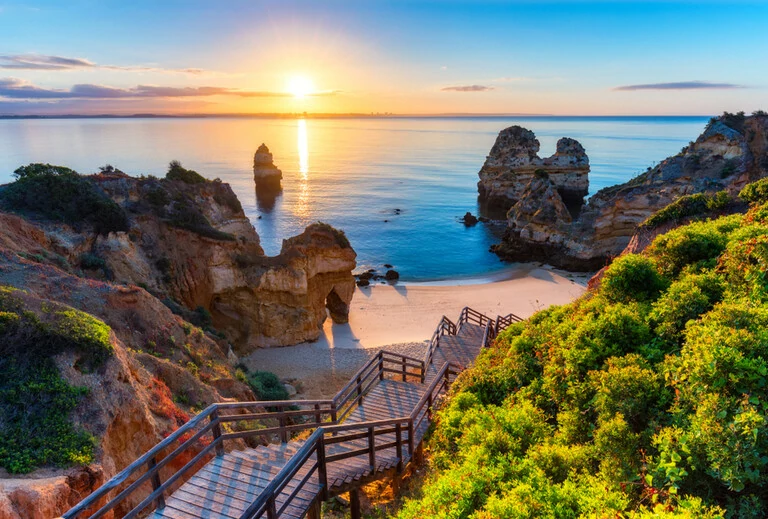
column 329, row 115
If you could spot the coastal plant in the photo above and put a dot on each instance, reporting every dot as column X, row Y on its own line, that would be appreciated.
column 36, row 402
column 645, row 398
column 189, row 176
column 61, row 194
column 632, row 277
column 267, row 386
column 689, row 206
column 756, row 192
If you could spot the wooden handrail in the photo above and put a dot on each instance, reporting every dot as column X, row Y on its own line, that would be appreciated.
column 322, row 415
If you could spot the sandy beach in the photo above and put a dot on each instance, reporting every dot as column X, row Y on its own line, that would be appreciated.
column 402, row 317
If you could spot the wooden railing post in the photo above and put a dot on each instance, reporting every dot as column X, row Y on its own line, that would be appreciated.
column 318, row 420
column 283, row 432
column 334, row 415
column 271, row 508
column 217, row 432
column 381, row 365
column 399, row 447
column 322, row 468
column 410, row 438
column 372, row 449
column 429, row 406
column 160, row 499
column 359, row 391
column 423, row 372
column 404, row 369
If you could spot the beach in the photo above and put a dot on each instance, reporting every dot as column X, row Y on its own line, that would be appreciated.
column 402, row 317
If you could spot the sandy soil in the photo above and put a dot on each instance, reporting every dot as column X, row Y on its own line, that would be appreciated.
column 402, row 317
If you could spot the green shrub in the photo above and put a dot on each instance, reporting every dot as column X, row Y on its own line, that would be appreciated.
column 687, row 206
column 692, row 244
column 632, row 278
column 60, row 194
column 756, row 192
column 267, row 386
column 644, row 398
column 92, row 261
column 177, row 172
column 686, row 299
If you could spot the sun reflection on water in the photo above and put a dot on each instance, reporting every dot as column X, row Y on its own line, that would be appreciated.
column 301, row 209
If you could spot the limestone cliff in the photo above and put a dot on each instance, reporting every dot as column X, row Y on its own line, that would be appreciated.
column 514, row 162
column 192, row 246
column 731, row 152
column 265, row 173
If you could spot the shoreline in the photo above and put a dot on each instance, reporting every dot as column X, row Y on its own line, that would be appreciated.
column 402, row 317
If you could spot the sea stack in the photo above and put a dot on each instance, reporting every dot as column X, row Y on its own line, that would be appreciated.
column 265, row 173
column 514, row 161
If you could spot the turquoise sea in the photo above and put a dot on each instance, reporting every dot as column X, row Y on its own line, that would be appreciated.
column 354, row 173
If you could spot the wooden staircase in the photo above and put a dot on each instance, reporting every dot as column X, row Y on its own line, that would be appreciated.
column 213, row 466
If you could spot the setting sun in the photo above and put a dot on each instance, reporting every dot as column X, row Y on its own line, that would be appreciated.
column 300, row 86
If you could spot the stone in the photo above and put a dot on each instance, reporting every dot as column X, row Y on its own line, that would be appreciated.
column 363, row 283
column 513, row 161
column 265, row 174
column 392, row 275
column 469, row 219
column 290, row 389
column 387, row 266
column 542, row 226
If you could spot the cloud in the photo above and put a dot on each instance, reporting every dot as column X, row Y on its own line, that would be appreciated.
column 682, row 85
column 467, row 88
column 14, row 88
column 61, row 63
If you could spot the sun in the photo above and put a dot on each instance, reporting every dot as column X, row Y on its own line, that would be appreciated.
column 300, row 86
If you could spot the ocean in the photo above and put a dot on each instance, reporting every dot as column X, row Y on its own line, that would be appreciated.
column 396, row 185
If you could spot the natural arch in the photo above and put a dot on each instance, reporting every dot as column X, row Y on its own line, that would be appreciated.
column 336, row 306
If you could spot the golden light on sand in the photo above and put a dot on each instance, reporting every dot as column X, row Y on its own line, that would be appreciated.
column 300, row 86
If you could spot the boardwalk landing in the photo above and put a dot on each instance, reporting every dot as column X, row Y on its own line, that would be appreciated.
column 372, row 430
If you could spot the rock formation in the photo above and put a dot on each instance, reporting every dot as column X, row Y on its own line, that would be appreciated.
column 189, row 256
column 514, row 162
column 265, row 173
column 731, row 152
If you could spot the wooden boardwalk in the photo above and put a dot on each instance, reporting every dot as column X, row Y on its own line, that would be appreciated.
column 372, row 431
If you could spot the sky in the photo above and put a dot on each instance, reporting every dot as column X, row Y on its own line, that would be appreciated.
column 365, row 56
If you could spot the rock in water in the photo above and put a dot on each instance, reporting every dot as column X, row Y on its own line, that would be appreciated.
column 514, row 161
column 542, row 224
column 469, row 219
column 265, row 173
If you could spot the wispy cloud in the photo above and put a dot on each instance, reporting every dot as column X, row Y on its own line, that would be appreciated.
column 14, row 88
column 62, row 63
column 681, row 85
column 467, row 88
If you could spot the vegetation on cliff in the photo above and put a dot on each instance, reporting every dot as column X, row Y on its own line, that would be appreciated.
column 648, row 397
column 61, row 194
column 35, row 401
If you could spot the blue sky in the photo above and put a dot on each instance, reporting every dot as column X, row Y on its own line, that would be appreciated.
column 547, row 57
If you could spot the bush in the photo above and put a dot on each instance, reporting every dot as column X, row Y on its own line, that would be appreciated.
column 688, row 206
column 756, row 192
column 267, row 386
column 689, row 245
column 177, row 172
column 60, row 194
column 632, row 278
column 644, row 398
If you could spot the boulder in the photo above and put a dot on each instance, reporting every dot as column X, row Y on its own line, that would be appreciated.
column 469, row 219
column 392, row 275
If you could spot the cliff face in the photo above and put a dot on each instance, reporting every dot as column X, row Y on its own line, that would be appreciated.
column 157, row 361
column 730, row 153
column 192, row 245
column 189, row 247
column 514, row 162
